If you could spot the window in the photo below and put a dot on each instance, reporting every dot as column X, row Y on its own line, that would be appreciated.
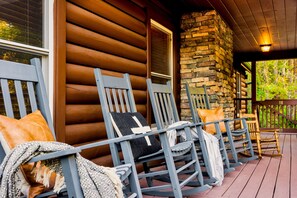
column 161, row 56
column 161, row 53
column 26, row 31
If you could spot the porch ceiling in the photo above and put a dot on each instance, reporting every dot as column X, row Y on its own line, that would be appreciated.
column 255, row 22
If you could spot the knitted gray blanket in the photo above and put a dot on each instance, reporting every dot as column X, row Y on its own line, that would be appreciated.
column 96, row 181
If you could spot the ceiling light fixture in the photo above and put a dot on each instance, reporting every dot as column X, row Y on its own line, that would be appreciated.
column 265, row 47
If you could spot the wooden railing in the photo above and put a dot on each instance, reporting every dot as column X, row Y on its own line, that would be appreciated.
column 281, row 114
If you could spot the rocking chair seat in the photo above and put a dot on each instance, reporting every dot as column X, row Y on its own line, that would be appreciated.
column 177, row 150
column 181, row 148
column 123, row 171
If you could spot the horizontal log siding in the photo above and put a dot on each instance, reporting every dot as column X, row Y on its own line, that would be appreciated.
column 92, row 40
column 103, row 26
column 130, row 8
column 90, row 94
column 113, row 14
column 107, row 61
column 101, row 35
column 78, row 74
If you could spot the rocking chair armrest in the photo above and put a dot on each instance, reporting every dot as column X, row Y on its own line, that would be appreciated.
column 119, row 139
column 54, row 155
column 233, row 119
column 269, row 130
column 217, row 121
column 109, row 141
column 257, row 132
column 181, row 127
column 197, row 124
column 152, row 132
column 213, row 122
column 131, row 137
column 162, row 131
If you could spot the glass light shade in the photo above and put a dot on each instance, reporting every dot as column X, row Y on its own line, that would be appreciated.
column 265, row 48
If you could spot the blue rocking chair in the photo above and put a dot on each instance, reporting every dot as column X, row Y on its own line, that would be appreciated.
column 23, row 91
column 118, row 106
column 238, row 139
column 165, row 113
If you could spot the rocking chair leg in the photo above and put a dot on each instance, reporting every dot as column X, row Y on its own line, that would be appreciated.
column 71, row 177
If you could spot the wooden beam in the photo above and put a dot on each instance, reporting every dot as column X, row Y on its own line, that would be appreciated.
column 60, row 69
column 259, row 56
column 254, row 83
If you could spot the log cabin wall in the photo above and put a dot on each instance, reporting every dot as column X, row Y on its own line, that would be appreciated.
column 112, row 35
column 243, row 92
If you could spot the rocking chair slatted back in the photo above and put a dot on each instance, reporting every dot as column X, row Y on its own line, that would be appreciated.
column 198, row 99
column 23, row 91
column 26, row 85
column 117, row 94
column 165, row 113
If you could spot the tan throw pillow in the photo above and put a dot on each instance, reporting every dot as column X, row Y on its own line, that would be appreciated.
column 32, row 127
column 210, row 115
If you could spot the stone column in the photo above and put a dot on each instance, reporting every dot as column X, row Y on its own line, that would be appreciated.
column 206, row 57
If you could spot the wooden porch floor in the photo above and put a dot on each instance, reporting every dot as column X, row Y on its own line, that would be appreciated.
column 265, row 178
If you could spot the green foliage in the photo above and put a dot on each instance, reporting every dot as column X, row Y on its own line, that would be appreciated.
column 12, row 33
column 276, row 79
column 8, row 31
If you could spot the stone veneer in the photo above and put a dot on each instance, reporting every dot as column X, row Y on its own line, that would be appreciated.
column 206, row 57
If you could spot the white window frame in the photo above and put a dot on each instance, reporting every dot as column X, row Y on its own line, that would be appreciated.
column 160, row 27
column 46, row 52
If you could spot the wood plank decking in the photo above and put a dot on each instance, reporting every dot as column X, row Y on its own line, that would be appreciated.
column 265, row 178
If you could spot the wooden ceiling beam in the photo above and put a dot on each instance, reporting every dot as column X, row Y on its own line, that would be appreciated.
column 258, row 56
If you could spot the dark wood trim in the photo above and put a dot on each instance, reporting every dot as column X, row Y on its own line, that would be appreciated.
column 148, row 64
column 254, row 82
column 258, row 56
column 60, row 69
column 176, row 68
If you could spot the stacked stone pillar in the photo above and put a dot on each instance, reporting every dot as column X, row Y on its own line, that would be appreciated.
column 206, row 57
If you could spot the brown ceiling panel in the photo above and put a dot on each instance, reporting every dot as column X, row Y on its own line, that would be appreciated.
column 254, row 22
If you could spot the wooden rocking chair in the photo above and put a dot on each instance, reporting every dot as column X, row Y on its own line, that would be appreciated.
column 116, row 98
column 22, row 92
column 238, row 140
column 266, row 142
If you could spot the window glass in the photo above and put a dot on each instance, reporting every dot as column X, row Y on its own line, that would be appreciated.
column 159, row 80
column 16, row 56
column 21, row 21
column 161, row 53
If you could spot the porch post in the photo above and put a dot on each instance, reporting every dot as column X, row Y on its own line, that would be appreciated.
column 254, row 84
